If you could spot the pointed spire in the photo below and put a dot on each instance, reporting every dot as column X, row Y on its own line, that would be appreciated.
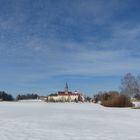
column 66, row 88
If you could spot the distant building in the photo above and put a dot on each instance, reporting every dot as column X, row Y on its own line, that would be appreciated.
column 65, row 96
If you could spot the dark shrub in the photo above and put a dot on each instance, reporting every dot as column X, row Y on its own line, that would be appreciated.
column 104, row 96
column 80, row 99
column 117, row 101
column 113, row 99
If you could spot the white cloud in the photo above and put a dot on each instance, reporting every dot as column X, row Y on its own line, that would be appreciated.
column 48, row 56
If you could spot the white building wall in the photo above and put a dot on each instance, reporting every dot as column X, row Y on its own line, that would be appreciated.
column 66, row 98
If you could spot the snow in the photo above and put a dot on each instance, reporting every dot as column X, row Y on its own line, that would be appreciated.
column 67, row 121
column 136, row 104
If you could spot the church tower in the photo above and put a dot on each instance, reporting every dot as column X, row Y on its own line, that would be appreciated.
column 66, row 88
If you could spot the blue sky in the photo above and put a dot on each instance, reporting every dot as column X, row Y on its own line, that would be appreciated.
column 90, row 44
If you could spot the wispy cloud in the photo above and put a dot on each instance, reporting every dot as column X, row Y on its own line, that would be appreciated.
column 44, row 39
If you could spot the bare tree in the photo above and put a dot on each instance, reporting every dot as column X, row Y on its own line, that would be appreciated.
column 129, row 85
column 138, row 84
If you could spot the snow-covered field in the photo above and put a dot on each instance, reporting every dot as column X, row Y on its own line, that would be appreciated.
column 67, row 121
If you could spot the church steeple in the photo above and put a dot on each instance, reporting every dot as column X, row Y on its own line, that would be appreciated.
column 66, row 88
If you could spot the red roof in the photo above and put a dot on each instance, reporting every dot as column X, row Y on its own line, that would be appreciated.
column 62, row 93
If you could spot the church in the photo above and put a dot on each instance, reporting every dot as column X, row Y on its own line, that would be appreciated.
column 65, row 96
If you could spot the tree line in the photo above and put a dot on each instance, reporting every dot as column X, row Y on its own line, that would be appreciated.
column 5, row 96
column 26, row 96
